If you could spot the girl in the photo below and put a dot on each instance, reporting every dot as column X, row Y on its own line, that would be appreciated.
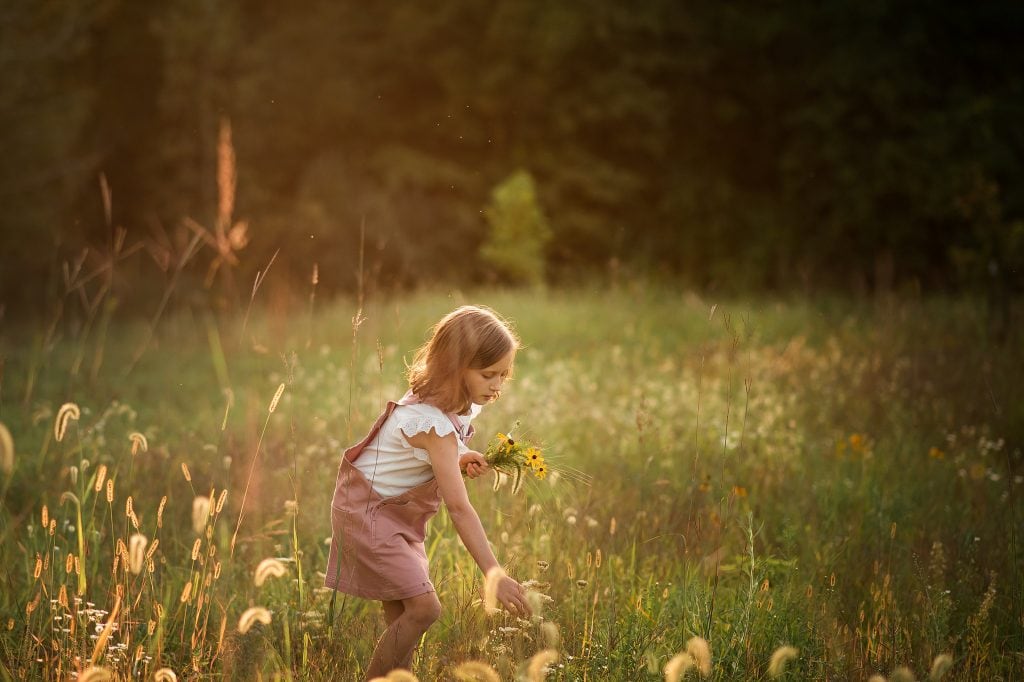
column 392, row 482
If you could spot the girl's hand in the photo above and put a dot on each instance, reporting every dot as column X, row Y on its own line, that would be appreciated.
column 512, row 596
column 474, row 464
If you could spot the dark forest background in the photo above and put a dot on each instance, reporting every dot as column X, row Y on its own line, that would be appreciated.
column 731, row 146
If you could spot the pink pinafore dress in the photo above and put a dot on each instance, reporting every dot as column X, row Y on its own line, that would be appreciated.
column 377, row 543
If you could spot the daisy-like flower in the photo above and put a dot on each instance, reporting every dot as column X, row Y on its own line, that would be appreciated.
column 511, row 457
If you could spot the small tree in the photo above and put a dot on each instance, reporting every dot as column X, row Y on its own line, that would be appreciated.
column 519, row 231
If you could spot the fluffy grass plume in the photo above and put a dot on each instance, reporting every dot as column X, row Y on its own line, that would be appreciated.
column 940, row 666
column 200, row 513
column 397, row 675
column 491, row 581
column 136, row 552
column 65, row 414
column 678, row 666
column 539, row 665
column 268, row 568
column 6, row 450
column 781, row 656
column 139, row 442
column 699, row 648
column 902, row 674
column 251, row 616
column 96, row 674
column 475, row 671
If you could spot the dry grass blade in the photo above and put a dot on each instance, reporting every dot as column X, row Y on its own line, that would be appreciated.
column 101, row 641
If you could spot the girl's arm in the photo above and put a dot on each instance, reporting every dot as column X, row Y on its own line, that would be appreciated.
column 444, row 459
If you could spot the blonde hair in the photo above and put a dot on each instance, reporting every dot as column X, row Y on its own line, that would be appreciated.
column 469, row 337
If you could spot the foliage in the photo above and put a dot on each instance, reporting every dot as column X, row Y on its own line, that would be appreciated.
column 842, row 478
column 734, row 146
column 519, row 231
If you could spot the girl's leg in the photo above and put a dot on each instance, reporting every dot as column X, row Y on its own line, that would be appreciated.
column 392, row 610
column 394, row 650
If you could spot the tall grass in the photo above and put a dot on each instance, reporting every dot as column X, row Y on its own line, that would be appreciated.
column 840, row 478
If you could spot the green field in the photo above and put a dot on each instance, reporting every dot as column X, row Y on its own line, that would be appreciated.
column 841, row 476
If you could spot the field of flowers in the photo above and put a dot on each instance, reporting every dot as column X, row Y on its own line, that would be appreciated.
column 836, row 483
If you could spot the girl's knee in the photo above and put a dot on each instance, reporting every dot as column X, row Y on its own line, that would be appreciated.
column 423, row 610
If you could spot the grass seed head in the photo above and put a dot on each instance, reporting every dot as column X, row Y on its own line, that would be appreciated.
column 96, row 674
column 200, row 513
column 475, row 671
column 781, row 656
column 401, row 675
column 136, row 552
column 700, row 650
column 678, row 666
column 66, row 413
column 268, row 568
column 940, row 666
column 139, row 443
column 6, row 450
column 186, row 472
column 537, row 669
column 251, row 616
column 491, row 582
column 277, row 397
column 550, row 632
column 902, row 674
column 101, row 475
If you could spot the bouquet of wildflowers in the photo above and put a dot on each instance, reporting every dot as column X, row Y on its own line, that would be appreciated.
column 512, row 458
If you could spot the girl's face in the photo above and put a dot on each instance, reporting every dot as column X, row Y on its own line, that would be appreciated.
column 484, row 385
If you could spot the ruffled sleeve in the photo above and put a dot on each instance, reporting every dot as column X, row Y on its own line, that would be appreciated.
column 420, row 418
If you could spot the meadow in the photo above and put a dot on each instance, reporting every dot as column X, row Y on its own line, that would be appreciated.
column 840, row 476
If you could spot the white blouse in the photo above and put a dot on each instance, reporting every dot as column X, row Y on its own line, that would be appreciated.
column 390, row 464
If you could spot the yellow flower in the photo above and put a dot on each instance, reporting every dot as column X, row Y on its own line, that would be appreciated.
column 503, row 438
column 540, row 472
column 739, row 491
column 857, row 442
column 936, row 453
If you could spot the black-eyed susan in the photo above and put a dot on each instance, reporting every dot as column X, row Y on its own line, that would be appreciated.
column 507, row 456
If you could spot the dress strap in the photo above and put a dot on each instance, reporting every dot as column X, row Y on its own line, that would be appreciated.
column 353, row 452
column 464, row 432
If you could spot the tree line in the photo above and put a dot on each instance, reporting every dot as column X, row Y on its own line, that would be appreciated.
column 741, row 146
